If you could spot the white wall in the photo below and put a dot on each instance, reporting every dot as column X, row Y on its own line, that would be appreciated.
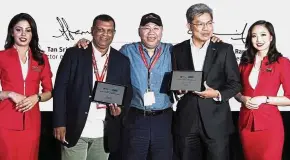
column 230, row 17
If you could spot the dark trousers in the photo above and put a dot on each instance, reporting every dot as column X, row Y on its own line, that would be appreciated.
column 198, row 146
column 148, row 136
column 115, row 155
column 118, row 154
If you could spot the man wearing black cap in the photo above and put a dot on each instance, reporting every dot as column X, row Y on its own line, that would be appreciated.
column 148, row 122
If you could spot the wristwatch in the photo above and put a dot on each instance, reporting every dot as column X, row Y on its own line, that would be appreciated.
column 39, row 98
column 267, row 98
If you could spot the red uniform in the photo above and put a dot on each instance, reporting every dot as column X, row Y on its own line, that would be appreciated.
column 262, row 130
column 20, row 132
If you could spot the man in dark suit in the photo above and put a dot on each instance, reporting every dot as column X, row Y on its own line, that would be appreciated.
column 87, row 130
column 203, row 122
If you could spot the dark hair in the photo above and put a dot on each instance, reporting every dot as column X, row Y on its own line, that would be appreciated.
column 249, row 55
column 104, row 17
column 34, row 46
column 197, row 10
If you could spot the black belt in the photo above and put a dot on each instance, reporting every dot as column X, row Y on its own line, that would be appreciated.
column 150, row 113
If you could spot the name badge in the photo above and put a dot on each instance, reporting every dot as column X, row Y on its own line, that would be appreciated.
column 149, row 98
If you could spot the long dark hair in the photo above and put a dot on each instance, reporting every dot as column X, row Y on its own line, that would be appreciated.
column 34, row 46
column 249, row 55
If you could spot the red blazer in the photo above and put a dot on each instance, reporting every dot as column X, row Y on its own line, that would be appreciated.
column 270, row 78
column 12, row 80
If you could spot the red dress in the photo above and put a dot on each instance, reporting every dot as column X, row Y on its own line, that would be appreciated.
column 20, row 132
column 262, row 130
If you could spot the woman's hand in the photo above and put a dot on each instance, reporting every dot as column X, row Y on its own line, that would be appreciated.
column 255, row 102
column 27, row 103
column 16, row 97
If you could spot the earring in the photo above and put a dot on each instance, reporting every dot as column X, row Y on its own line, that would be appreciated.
column 189, row 32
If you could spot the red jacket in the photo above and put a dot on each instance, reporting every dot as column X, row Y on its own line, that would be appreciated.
column 12, row 80
column 269, row 80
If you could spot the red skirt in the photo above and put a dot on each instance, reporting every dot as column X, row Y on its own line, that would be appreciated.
column 19, row 145
column 266, row 144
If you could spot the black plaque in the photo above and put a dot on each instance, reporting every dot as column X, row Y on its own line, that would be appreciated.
column 186, row 80
column 108, row 93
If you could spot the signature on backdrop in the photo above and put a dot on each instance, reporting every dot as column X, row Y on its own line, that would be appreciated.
column 69, row 34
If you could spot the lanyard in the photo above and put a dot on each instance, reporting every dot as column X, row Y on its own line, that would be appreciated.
column 146, row 64
column 100, row 77
column 96, row 71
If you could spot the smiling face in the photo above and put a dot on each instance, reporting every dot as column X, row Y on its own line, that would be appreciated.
column 261, row 38
column 201, row 27
column 103, row 34
column 22, row 33
column 150, row 35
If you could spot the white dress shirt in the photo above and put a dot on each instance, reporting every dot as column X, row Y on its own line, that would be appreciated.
column 198, row 57
column 94, row 127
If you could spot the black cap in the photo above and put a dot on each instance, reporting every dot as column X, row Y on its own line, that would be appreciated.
column 151, row 17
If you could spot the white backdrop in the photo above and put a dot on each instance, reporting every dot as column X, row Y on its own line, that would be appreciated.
column 62, row 22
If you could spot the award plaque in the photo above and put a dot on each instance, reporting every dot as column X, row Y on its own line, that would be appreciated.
column 108, row 93
column 186, row 80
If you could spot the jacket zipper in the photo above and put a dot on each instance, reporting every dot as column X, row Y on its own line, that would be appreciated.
column 24, row 79
column 24, row 88
column 28, row 69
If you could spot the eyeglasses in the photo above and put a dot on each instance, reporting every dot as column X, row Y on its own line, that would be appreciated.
column 202, row 25
column 149, row 29
column 101, row 31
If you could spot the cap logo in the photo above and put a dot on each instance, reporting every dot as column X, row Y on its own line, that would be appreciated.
column 150, row 16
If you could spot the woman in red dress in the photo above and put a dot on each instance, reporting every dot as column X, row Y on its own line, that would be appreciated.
column 23, row 67
column 263, row 69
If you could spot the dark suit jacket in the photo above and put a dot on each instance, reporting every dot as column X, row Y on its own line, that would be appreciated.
column 73, row 89
column 220, row 71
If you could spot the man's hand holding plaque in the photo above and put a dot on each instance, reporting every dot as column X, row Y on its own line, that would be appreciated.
column 182, row 92
column 115, row 110
column 208, row 92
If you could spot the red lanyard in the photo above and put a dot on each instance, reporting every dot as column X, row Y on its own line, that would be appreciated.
column 96, row 71
column 151, row 65
column 154, row 60
column 99, row 77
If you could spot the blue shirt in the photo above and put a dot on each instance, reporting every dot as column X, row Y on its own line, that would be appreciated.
column 158, row 77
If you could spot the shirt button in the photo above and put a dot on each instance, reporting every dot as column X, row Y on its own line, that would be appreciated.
column 90, row 96
column 86, row 112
